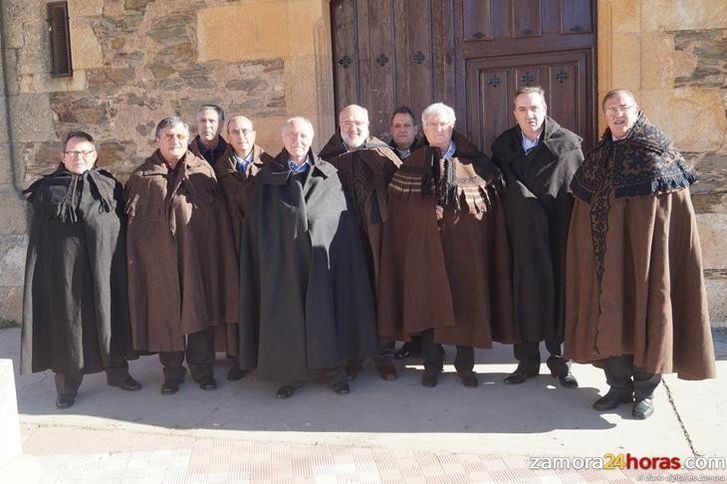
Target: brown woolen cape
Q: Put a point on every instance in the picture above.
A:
(634, 283)
(364, 174)
(237, 189)
(538, 205)
(451, 275)
(75, 305)
(306, 301)
(181, 260)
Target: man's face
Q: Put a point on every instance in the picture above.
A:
(403, 130)
(79, 156)
(208, 125)
(297, 139)
(241, 135)
(530, 111)
(621, 113)
(438, 130)
(172, 143)
(354, 126)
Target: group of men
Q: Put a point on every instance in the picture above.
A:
(301, 267)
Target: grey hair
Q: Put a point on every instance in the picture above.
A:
(438, 109)
(169, 123)
(529, 90)
(215, 108)
(301, 119)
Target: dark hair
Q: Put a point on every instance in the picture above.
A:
(616, 92)
(167, 122)
(78, 134)
(404, 110)
(214, 107)
(529, 90)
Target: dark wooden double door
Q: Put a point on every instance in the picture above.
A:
(470, 54)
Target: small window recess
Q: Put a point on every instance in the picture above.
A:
(59, 36)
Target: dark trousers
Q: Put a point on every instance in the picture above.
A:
(528, 354)
(385, 354)
(433, 354)
(117, 370)
(200, 353)
(624, 378)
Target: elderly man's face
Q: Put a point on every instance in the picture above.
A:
(208, 125)
(403, 130)
(172, 143)
(621, 113)
(354, 126)
(530, 113)
(241, 135)
(79, 156)
(438, 130)
(297, 138)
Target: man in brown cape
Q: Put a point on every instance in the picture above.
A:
(182, 277)
(635, 297)
(208, 143)
(538, 158)
(306, 303)
(445, 263)
(75, 309)
(365, 165)
(235, 170)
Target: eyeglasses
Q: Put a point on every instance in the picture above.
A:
(615, 111)
(243, 132)
(82, 154)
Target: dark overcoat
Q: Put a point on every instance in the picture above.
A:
(306, 301)
(182, 264)
(538, 205)
(75, 274)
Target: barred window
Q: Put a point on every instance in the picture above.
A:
(59, 36)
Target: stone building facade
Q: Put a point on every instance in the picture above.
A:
(137, 61)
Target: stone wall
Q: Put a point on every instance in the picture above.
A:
(673, 55)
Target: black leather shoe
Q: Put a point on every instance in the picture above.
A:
(643, 408)
(408, 350)
(611, 400)
(208, 384)
(65, 401)
(520, 375)
(387, 371)
(567, 380)
(236, 373)
(341, 388)
(129, 384)
(286, 391)
(169, 388)
(429, 378)
(469, 378)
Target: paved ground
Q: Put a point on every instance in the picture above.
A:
(382, 432)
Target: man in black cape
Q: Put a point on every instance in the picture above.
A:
(538, 158)
(75, 309)
(306, 303)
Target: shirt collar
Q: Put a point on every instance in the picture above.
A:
(241, 164)
(529, 144)
(302, 168)
(450, 151)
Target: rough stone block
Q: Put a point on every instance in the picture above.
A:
(85, 48)
(626, 16)
(32, 118)
(11, 304)
(300, 96)
(657, 74)
(12, 259)
(10, 446)
(701, 54)
(626, 68)
(682, 15)
(265, 34)
(716, 285)
(13, 219)
(85, 8)
(694, 118)
(303, 17)
(712, 234)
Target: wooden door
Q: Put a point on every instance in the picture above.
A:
(470, 54)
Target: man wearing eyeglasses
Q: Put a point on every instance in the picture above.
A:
(538, 158)
(635, 298)
(75, 311)
(445, 263)
(365, 165)
(235, 171)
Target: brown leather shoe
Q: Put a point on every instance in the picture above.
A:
(387, 370)
(429, 378)
(469, 378)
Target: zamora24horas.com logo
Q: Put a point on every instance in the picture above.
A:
(631, 462)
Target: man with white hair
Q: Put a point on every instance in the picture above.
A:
(182, 277)
(365, 165)
(445, 262)
(306, 304)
